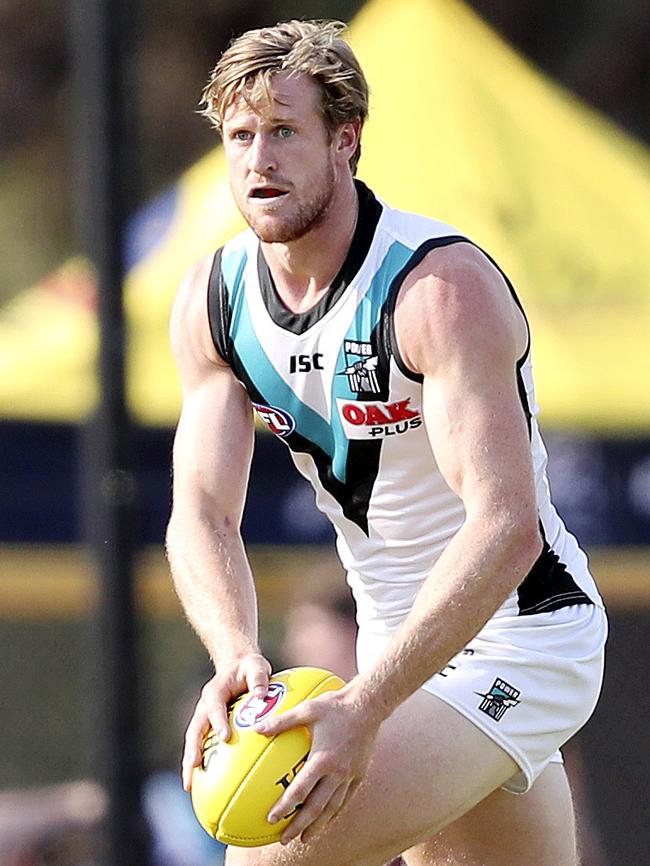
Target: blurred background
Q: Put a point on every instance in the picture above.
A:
(527, 124)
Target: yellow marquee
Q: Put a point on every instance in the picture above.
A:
(462, 128)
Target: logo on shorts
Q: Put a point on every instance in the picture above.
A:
(254, 709)
(500, 698)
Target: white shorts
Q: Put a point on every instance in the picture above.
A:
(528, 682)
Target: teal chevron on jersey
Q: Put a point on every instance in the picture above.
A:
(233, 264)
(372, 304)
(370, 309)
(366, 319)
(272, 386)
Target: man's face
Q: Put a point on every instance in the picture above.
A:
(281, 161)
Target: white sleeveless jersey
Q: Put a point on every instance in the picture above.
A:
(332, 385)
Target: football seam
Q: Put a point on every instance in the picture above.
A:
(251, 769)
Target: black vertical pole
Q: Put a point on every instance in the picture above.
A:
(104, 169)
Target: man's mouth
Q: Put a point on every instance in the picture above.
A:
(267, 192)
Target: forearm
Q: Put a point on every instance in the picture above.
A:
(215, 585)
(479, 568)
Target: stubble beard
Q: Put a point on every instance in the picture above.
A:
(306, 216)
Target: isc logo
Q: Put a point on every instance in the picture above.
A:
(277, 420)
(306, 363)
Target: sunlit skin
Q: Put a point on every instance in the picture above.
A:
(291, 180)
(390, 764)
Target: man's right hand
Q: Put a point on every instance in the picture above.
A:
(249, 673)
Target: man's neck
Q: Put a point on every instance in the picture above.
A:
(303, 270)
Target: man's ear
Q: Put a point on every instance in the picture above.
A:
(347, 138)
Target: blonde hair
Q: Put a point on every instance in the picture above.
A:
(314, 48)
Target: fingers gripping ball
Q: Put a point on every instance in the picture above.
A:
(237, 782)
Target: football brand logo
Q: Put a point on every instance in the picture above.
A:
(255, 709)
(363, 419)
(277, 420)
(210, 746)
(288, 778)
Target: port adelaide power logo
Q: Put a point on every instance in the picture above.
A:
(361, 367)
(367, 418)
(501, 697)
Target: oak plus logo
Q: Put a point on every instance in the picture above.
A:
(364, 419)
(277, 420)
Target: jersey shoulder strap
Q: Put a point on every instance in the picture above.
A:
(219, 313)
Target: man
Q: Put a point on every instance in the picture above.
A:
(392, 357)
(320, 628)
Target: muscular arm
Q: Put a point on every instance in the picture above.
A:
(212, 455)
(211, 461)
(457, 325)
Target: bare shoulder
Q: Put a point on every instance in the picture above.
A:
(189, 326)
(455, 302)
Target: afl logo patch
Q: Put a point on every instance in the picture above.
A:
(277, 420)
(254, 709)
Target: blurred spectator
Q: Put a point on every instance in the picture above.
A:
(320, 630)
(61, 825)
(177, 838)
(55, 825)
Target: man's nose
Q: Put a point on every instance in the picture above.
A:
(262, 158)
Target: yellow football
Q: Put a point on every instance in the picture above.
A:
(237, 782)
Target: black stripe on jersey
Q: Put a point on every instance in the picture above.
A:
(297, 323)
(362, 466)
(362, 463)
(387, 340)
(548, 585)
(219, 311)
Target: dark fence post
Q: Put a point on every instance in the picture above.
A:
(104, 175)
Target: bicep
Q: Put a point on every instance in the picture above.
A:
(477, 428)
(213, 449)
(466, 336)
(214, 438)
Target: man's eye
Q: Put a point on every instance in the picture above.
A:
(241, 135)
(284, 132)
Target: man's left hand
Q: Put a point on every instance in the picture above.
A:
(342, 742)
